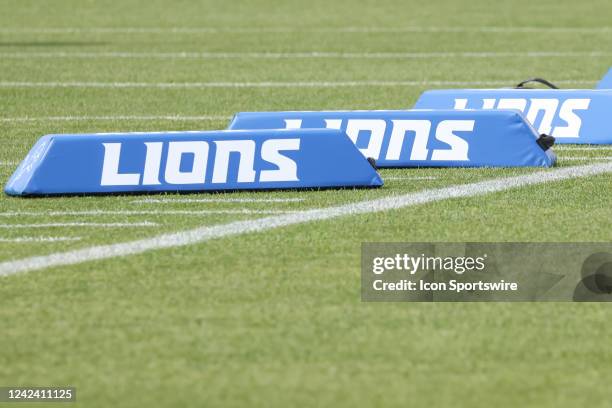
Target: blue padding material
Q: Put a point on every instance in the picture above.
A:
(579, 116)
(606, 81)
(448, 138)
(191, 161)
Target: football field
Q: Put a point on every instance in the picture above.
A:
(253, 298)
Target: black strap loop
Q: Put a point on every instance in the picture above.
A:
(372, 162)
(545, 141)
(538, 80)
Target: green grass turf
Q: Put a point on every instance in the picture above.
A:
(275, 318)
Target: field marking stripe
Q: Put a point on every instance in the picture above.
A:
(39, 239)
(584, 158)
(206, 233)
(137, 212)
(314, 84)
(216, 200)
(110, 118)
(82, 224)
(585, 148)
(272, 30)
(305, 55)
(410, 178)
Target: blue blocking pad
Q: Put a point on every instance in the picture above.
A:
(447, 138)
(578, 116)
(606, 81)
(191, 161)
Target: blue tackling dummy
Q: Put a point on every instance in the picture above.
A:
(425, 138)
(578, 116)
(191, 161)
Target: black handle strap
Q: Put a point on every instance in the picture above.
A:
(372, 162)
(539, 81)
(545, 141)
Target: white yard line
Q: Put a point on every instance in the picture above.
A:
(411, 178)
(110, 118)
(217, 200)
(130, 212)
(314, 84)
(304, 55)
(8, 163)
(272, 30)
(39, 239)
(206, 233)
(579, 158)
(594, 148)
(82, 224)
